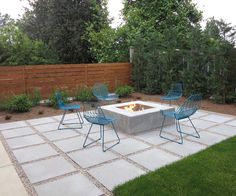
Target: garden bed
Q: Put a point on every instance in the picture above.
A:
(49, 111)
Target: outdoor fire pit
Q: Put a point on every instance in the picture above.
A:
(137, 116)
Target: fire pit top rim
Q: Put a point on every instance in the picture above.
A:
(154, 107)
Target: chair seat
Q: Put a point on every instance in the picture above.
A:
(109, 97)
(70, 107)
(170, 98)
(178, 115)
(99, 120)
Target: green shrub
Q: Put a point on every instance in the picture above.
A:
(84, 94)
(36, 97)
(19, 103)
(53, 100)
(124, 91)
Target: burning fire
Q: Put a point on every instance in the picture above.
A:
(133, 108)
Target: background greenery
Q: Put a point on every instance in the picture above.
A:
(169, 43)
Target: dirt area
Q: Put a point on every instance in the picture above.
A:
(44, 111)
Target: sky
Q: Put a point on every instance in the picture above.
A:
(218, 9)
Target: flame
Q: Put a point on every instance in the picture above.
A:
(133, 108)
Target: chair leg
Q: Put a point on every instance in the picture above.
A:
(61, 121)
(180, 132)
(81, 121)
(85, 145)
(103, 138)
(177, 127)
(197, 136)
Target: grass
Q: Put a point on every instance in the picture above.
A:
(209, 172)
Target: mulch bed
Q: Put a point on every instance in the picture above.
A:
(45, 111)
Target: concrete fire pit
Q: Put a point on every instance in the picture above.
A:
(137, 116)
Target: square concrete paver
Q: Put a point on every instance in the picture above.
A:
(199, 114)
(12, 125)
(75, 185)
(71, 144)
(10, 182)
(201, 124)
(216, 118)
(127, 146)
(154, 158)
(207, 138)
(92, 156)
(60, 134)
(151, 137)
(109, 135)
(172, 130)
(17, 132)
(232, 123)
(224, 129)
(185, 149)
(47, 127)
(24, 141)
(42, 170)
(34, 153)
(95, 129)
(115, 173)
(39, 121)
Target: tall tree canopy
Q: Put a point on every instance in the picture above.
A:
(65, 26)
(145, 16)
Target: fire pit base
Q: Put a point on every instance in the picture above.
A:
(147, 118)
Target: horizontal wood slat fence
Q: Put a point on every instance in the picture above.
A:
(25, 79)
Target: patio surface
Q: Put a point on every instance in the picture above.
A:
(45, 161)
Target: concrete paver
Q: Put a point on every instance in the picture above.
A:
(70, 186)
(42, 170)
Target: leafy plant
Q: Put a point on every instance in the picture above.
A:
(124, 91)
(19, 103)
(53, 100)
(84, 93)
(36, 97)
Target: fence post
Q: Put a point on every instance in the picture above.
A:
(131, 54)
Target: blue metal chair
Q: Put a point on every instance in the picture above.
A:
(100, 91)
(174, 94)
(94, 115)
(66, 108)
(187, 109)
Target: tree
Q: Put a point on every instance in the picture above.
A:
(146, 16)
(65, 26)
(16, 48)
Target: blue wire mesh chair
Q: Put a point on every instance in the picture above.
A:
(66, 108)
(174, 94)
(100, 91)
(187, 109)
(94, 115)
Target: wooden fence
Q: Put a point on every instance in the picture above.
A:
(25, 79)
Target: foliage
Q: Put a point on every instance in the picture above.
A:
(16, 48)
(201, 60)
(212, 170)
(110, 45)
(65, 26)
(84, 94)
(36, 97)
(124, 91)
(53, 100)
(19, 103)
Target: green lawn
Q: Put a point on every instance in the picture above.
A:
(209, 172)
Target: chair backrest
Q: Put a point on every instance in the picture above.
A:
(176, 90)
(59, 100)
(91, 110)
(190, 106)
(100, 90)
